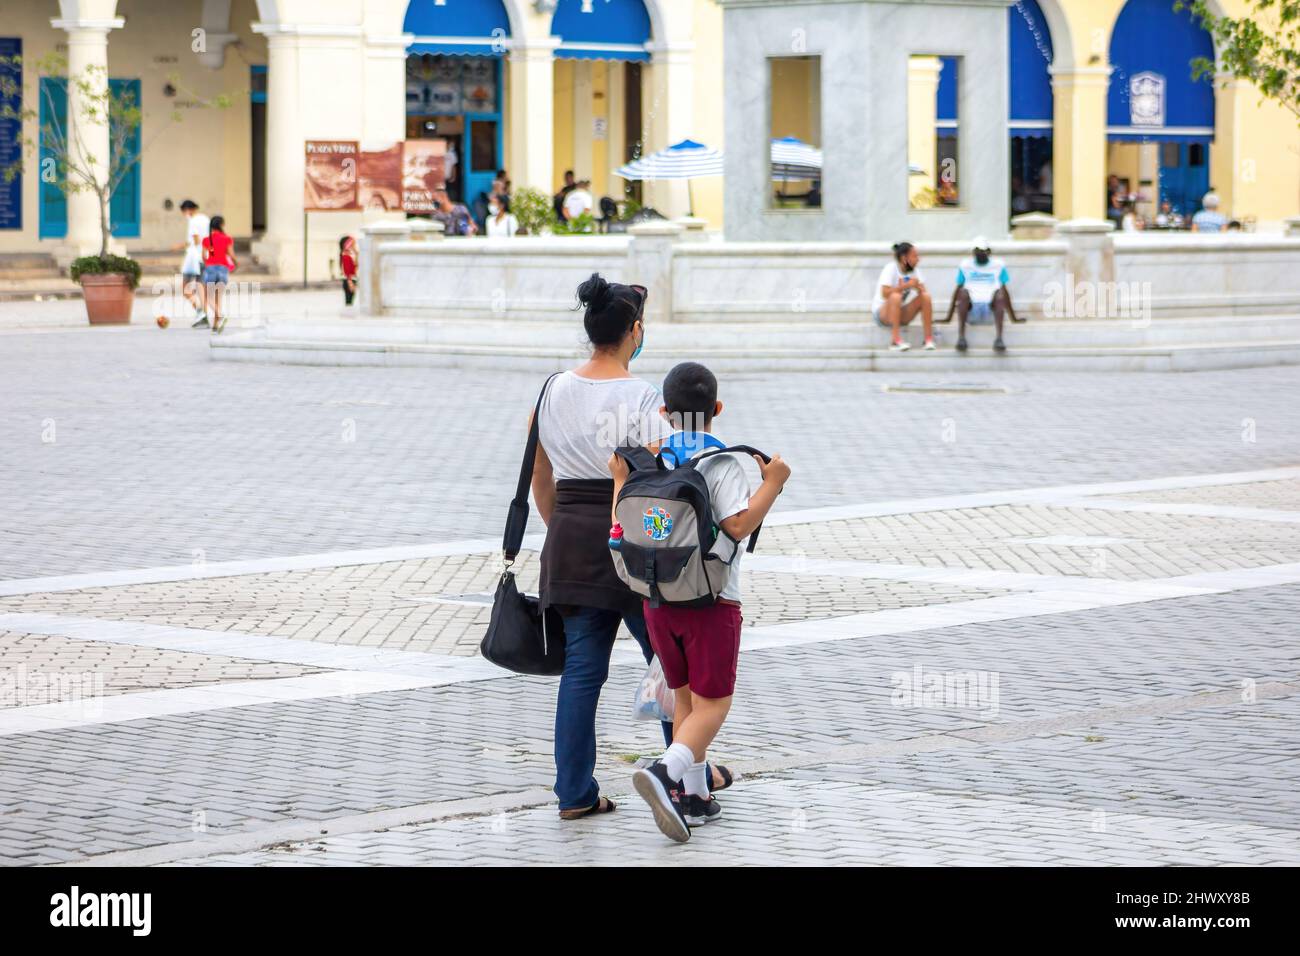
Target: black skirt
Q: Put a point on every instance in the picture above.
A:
(577, 569)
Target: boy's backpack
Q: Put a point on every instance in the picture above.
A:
(672, 550)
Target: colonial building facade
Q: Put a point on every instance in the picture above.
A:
(538, 87)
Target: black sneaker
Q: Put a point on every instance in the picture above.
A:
(201, 323)
(961, 345)
(700, 810)
(998, 346)
(663, 794)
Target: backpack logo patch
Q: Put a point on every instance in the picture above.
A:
(657, 522)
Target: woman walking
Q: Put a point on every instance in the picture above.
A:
(585, 414)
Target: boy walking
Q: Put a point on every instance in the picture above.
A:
(698, 647)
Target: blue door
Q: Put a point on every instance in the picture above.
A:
(1184, 175)
(124, 203)
(53, 118)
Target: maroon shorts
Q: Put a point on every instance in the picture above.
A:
(698, 646)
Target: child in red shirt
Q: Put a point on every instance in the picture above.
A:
(218, 263)
(348, 263)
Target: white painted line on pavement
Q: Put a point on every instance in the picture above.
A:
(307, 562)
(440, 668)
(191, 700)
(1234, 512)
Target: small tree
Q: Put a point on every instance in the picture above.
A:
(76, 168)
(534, 210)
(1263, 47)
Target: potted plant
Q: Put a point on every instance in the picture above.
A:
(108, 281)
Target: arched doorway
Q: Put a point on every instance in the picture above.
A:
(1030, 110)
(455, 88)
(1159, 121)
(599, 67)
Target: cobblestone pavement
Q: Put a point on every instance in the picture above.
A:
(1061, 638)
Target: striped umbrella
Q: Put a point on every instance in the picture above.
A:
(685, 160)
(794, 159)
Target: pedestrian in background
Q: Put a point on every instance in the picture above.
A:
(196, 228)
(348, 265)
(218, 262)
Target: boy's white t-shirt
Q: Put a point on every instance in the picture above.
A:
(729, 491)
(890, 276)
(195, 225)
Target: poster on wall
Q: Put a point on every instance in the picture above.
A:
(379, 183)
(331, 175)
(11, 128)
(423, 173)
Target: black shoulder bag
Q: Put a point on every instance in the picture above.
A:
(521, 637)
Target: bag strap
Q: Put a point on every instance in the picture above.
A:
(517, 518)
(639, 458)
(748, 449)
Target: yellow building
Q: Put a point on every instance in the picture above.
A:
(538, 87)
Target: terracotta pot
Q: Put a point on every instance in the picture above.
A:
(109, 298)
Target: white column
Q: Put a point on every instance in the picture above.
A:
(384, 119)
(88, 138)
(285, 144)
(532, 110)
(668, 117)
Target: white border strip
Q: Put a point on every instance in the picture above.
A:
(308, 562)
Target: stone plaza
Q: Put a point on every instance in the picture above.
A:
(1000, 618)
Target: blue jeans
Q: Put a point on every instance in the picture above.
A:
(588, 640)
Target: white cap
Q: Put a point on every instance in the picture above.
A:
(982, 244)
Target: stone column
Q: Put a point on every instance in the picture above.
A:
(532, 108)
(922, 111)
(370, 300)
(88, 138)
(1079, 142)
(285, 143)
(650, 263)
(668, 117)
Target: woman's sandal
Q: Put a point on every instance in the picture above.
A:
(724, 773)
(603, 805)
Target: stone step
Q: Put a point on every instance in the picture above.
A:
(816, 337)
(260, 344)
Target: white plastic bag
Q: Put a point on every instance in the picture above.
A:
(654, 698)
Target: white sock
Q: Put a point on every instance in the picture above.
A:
(696, 783)
(677, 759)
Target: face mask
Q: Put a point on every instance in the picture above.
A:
(982, 258)
(494, 209)
(640, 345)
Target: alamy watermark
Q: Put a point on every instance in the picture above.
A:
(1088, 299)
(946, 690)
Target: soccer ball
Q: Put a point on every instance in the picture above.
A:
(163, 321)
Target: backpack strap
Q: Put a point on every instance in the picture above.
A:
(639, 458)
(747, 449)
(517, 518)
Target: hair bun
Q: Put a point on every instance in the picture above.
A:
(593, 292)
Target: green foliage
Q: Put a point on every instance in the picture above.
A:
(533, 209)
(1263, 47)
(100, 265)
(580, 225)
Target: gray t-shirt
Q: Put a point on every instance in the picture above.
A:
(584, 419)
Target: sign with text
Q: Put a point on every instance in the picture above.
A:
(424, 172)
(11, 128)
(331, 175)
